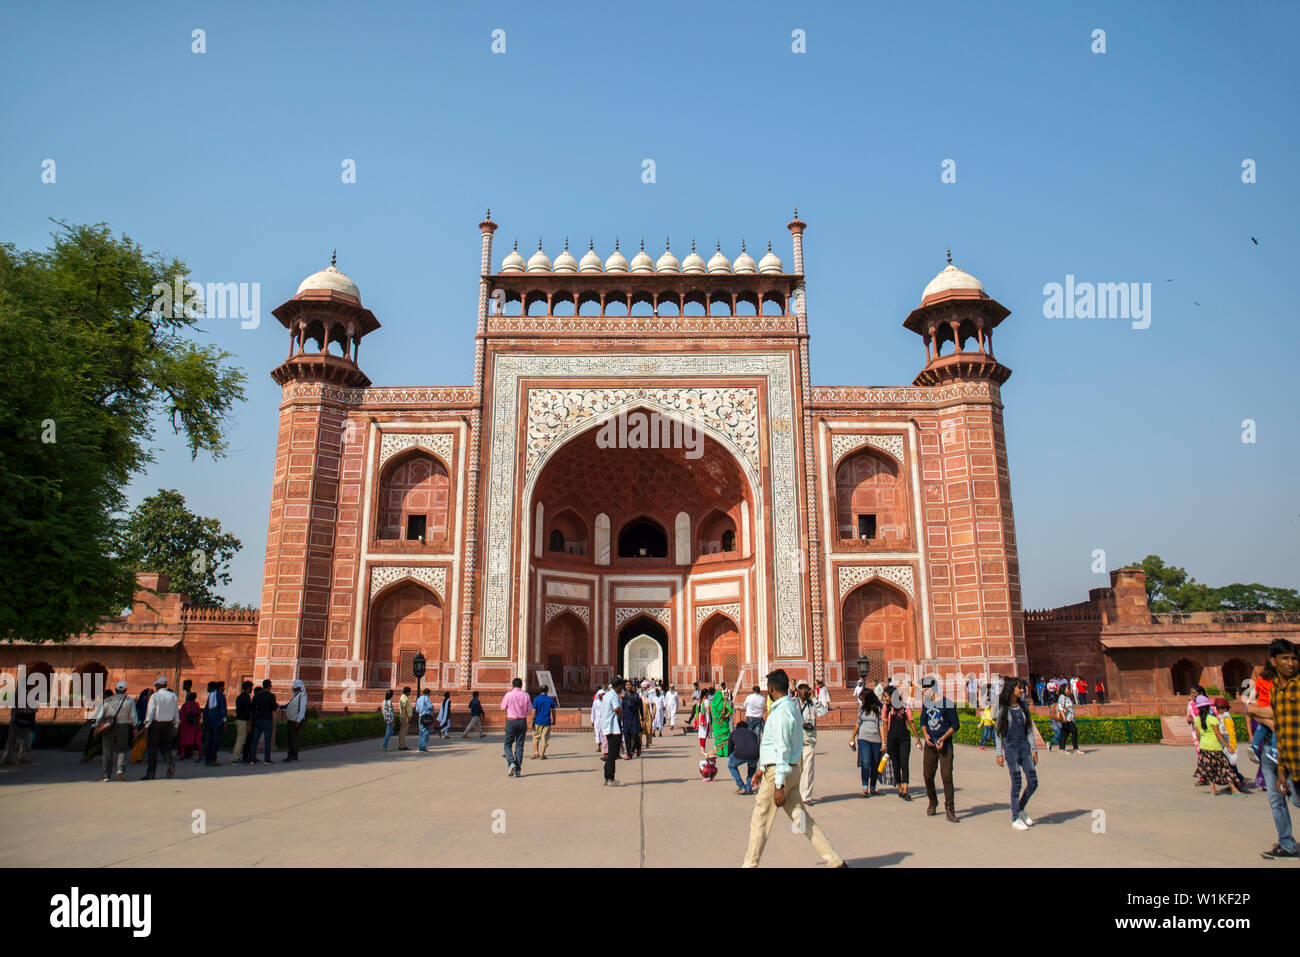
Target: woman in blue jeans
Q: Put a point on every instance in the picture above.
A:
(866, 739)
(1016, 748)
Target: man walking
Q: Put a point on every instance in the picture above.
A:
(810, 710)
(610, 725)
(161, 720)
(1280, 755)
(116, 741)
(475, 717)
(939, 722)
(214, 723)
(543, 704)
(777, 779)
(295, 716)
(516, 704)
(754, 712)
(631, 721)
(404, 712)
(670, 708)
(243, 722)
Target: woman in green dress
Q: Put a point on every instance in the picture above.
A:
(720, 712)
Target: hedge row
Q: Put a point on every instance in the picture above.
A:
(55, 735)
(1123, 730)
(51, 735)
(347, 727)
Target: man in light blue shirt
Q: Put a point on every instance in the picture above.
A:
(777, 780)
(610, 725)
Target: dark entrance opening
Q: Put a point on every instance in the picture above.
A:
(643, 539)
(643, 626)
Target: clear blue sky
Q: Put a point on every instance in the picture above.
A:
(1115, 167)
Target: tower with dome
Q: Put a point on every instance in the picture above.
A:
(641, 479)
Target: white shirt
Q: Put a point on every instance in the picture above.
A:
(754, 705)
(857, 691)
(670, 700)
(296, 709)
(162, 708)
(824, 696)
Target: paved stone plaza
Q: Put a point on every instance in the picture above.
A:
(351, 804)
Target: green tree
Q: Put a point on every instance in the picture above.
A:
(163, 535)
(88, 365)
(1170, 588)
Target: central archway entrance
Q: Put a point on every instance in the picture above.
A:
(643, 649)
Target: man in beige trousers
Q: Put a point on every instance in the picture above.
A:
(777, 779)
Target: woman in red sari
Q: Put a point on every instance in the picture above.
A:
(191, 726)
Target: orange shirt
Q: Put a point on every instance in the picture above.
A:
(1263, 692)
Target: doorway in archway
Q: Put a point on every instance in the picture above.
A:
(643, 649)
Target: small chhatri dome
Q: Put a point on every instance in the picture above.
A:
(538, 261)
(513, 261)
(771, 263)
(719, 262)
(951, 280)
(745, 265)
(616, 262)
(565, 262)
(330, 279)
(590, 261)
(668, 262)
(641, 263)
(693, 264)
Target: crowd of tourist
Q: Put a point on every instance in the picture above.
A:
(767, 735)
(159, 724)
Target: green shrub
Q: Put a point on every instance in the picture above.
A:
(347, 727)
(49, 735)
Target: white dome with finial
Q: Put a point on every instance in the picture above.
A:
(744, 265)
(513, 261)
(565, 262)
(641, 263)
(617, 262)
(771, 263)
(719, 262)
(590, 262)
(693, 264)
(330, 279)
(668, 262)
(950, 280)
(539, 261)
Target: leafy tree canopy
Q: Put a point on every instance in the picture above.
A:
(1170, 588)
(88, 366)
(162, 535)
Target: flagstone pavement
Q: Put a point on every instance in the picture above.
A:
(354, 804)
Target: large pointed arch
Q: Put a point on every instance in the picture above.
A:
(405, 617)
(878, 622)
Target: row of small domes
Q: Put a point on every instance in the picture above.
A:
(641, 263)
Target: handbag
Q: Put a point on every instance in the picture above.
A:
(106, 722)
(426, 719)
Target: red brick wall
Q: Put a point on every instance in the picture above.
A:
(970, 534)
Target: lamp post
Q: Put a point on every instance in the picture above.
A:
(417, 669)
(863, 664)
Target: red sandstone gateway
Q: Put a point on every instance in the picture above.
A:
(488, 528)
